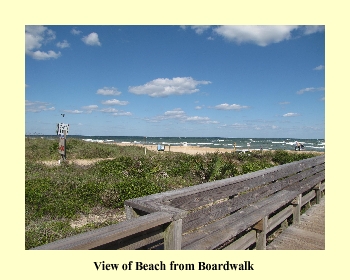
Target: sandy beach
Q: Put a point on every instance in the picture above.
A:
(191, 150)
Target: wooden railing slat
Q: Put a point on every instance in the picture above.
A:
(98, 237)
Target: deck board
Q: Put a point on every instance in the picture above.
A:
(309, 234)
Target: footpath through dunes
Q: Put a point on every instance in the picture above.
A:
(308, 234)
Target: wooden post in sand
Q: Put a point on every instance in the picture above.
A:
(62, 131)
(62, 145)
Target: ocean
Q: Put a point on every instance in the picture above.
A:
(213, 142)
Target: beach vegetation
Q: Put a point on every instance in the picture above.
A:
(56, 195)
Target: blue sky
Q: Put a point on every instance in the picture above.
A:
(225, 81)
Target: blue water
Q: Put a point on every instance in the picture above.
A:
(214, 142)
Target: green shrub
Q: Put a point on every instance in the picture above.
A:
(133, 188)
(282, 157)
(254, 166)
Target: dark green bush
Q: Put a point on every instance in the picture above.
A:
(282, 157)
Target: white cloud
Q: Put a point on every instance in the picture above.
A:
(320, 67)
(199, 29)
(115, 112)
(108, 91)
(73, 111)
(90, 108)
(39, 55)
(174, 114)
(91, 39)
(35, 37)
(109, 110)
(115, 102)
(75, 31)
(197, 118)
(63, 44)
(310, 89)
(203, 120)
(284, 103)
(121, 113)
(198, 107)
(180, 115)
(162, 87)
(291, 115)
(226, 106)
(262, 35)
(38, 106)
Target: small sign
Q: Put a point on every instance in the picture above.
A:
(61, 127)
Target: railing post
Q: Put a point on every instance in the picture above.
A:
(173, 235)
(317, 189)
(261, 231)
(130, 212)
(296, 210)
(284, 224)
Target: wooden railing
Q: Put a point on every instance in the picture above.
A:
(234, 213)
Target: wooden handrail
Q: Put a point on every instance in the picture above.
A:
(98, 237)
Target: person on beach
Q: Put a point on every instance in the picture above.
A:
(298, 146)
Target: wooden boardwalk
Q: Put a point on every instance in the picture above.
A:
(309, 234)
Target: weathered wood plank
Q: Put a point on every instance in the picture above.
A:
(198, 199)
(308, 184)
(156, 206)
(308, 197)
(318, 191)
(173, 235)
(279, 217)
(130, 212)
(261, 231)
(135, 241)
(243, 242)
(211, 236)
(296, 210)
(210, 214)
(98, 237)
